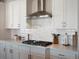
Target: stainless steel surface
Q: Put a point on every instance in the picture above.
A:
(28, 36)
(40, 12)
(1, 0)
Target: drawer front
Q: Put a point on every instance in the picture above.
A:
(38, 50)
(62, 53)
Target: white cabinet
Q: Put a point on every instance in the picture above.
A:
(23, 51)
(22, 13)
(12, 51)
(65, 13)
(71, 13)
(57, 7)
(2, 51)
(60, 54)
(37, 52)
(15, 13)
(12, 14)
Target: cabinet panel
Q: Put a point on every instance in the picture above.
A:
(22, 13)
(9, 15)
(71, 13)
(12, 51)
(37, 57)
(2, 51)
(37, 52)
(65, 13)
(57, 13)
(9, 51)
(15, 51)
(12, 14)
(15, 14)
(54, 57)
(56, 53)
(23, 51)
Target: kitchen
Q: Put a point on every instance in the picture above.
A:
(17, 26)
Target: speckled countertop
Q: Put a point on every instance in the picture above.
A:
(53, 46)
(61, 47)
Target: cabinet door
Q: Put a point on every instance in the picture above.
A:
(12, 51)
(60, 54)
(37, 56)
(22, 13)
(67, 57)
(12, 14)
(15, 51)
(2, 51)
(37, 52)
(54, 57)
(9, 15)
(23, 51)
(15, 14)
(15, 5)
(57, 12)
(9, 51)
(71, 13)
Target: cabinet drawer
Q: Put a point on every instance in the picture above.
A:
(62, 53)
(38, 50)
(37, 57)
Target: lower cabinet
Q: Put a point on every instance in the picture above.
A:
(2, 51)
(35, 56)
(37, 52)
(60, 57)
(59, 54)
(23, 51)
(12, 51)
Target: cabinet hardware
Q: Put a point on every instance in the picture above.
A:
(61, 55)
(29, 56)
(11, 51)
(4, 49)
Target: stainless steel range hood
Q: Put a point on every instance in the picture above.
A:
(41, 13)
(1, 0)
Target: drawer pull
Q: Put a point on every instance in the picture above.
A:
(29, 56)
(11, 51)
(4, 49)
(61, 55)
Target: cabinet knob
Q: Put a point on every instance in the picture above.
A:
(4, 49)
(18, 25)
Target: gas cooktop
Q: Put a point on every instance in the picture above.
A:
(37, 43)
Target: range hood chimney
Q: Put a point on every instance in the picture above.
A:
(1, 0)
(41, 13)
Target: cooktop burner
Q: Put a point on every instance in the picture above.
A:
(37, 43)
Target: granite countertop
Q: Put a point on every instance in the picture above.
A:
(53, 46)
(62, 47)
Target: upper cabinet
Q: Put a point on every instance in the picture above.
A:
(65, 14)
(71, 13)
(15, 14)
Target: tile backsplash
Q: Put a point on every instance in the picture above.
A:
(44, 34)
(42, 29)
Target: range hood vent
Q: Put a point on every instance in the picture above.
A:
(1, 0)
(41, 13)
